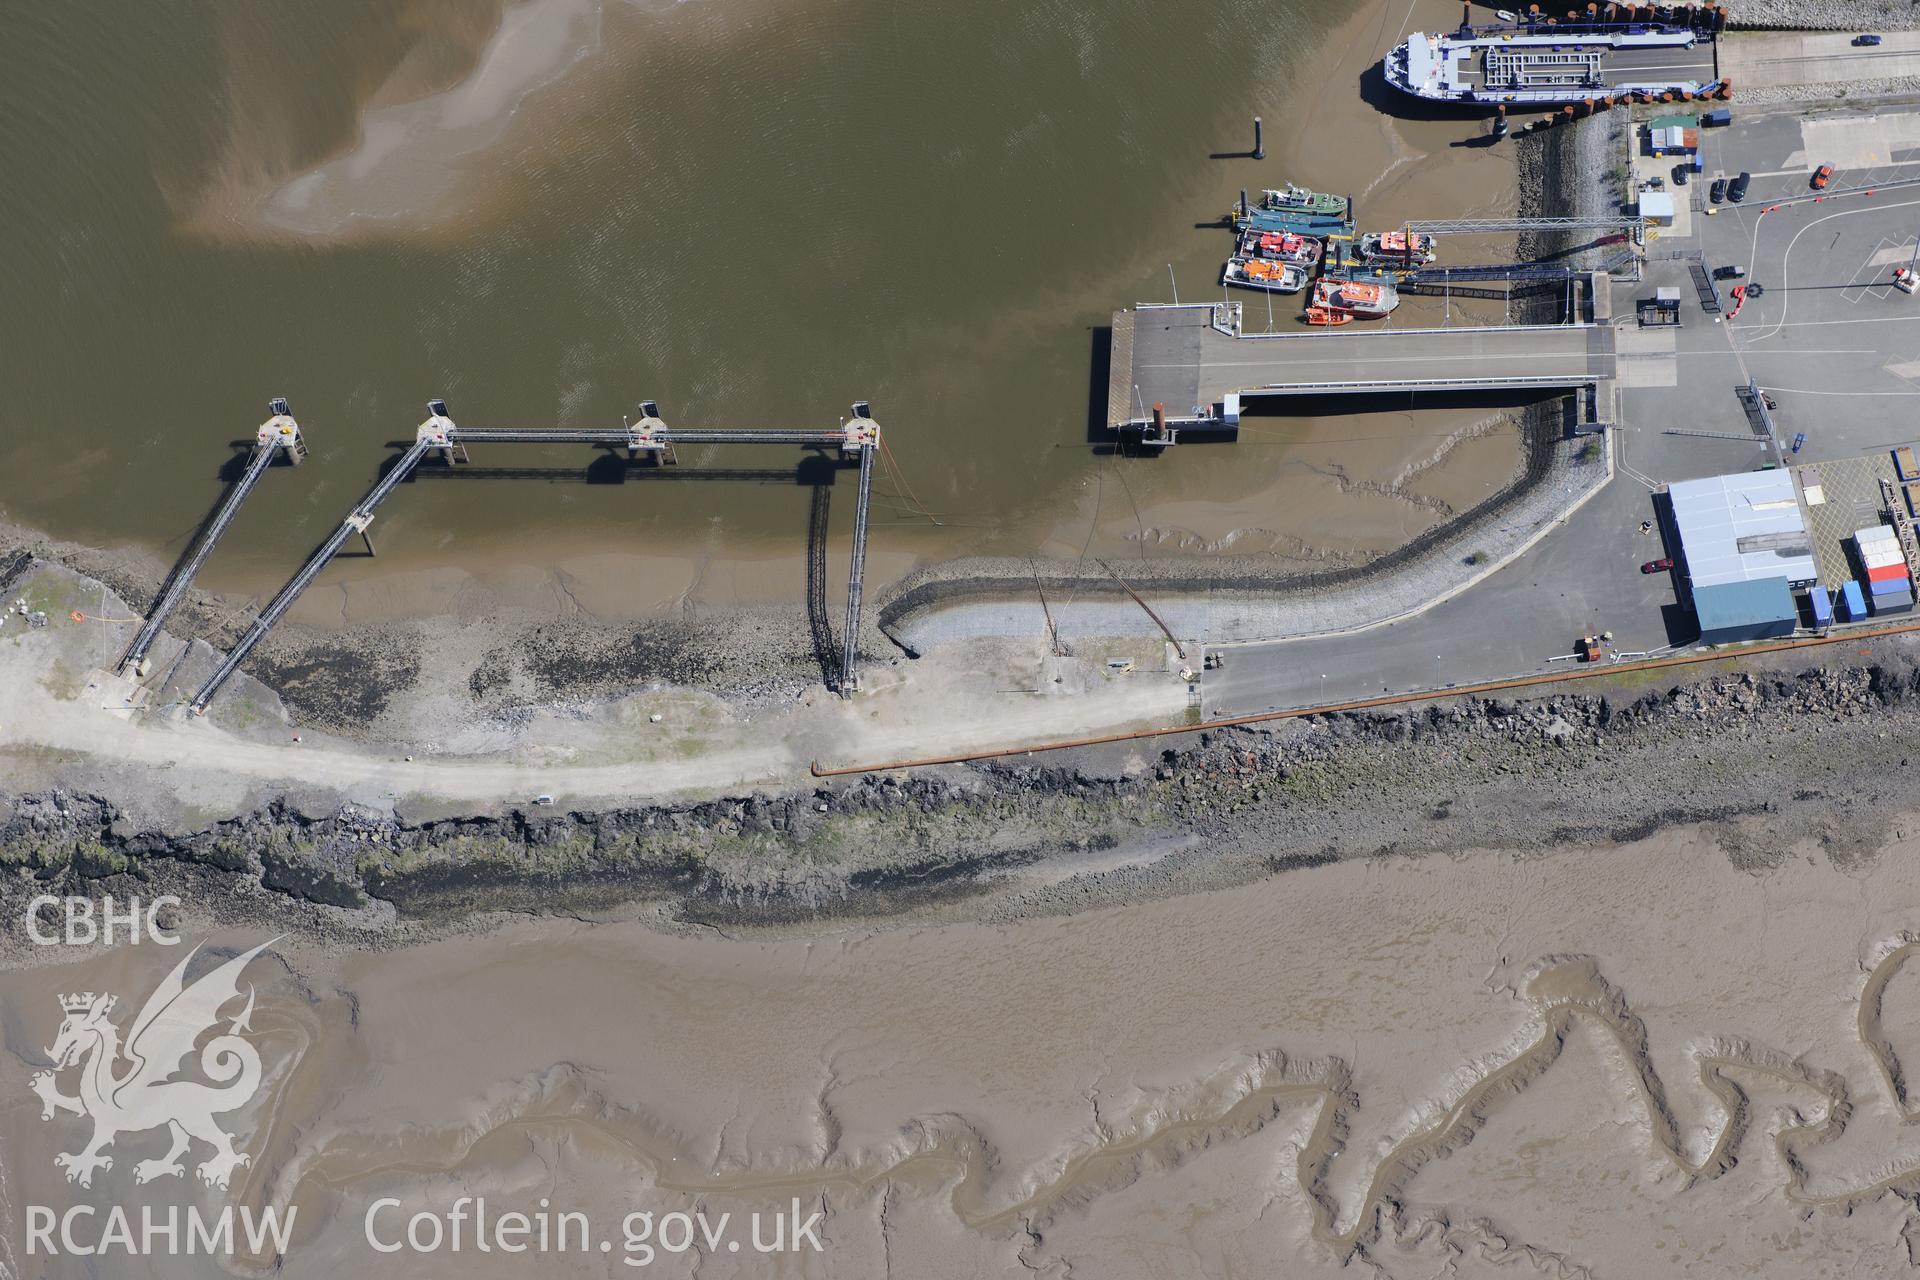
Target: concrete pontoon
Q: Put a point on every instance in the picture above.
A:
(1188, 368)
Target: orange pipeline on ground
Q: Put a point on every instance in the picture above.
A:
(1386, 700)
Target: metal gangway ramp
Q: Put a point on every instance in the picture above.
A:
(278, 435)
(858, 436)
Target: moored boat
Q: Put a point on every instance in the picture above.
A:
(1538, 67)
(1363, 299)
(1267, 274)
(1297, 221)
(1297, 199)
(1393, 246)
(1283, 246)
(1327, 316)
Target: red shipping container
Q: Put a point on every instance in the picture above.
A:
(1882, 573)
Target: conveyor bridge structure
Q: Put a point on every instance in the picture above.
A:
(278, 436)
(1523, 280)
(1495, 271)
(1624, 223)
(1626, 228)
(857, 437)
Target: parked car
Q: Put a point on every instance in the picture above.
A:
(1679, 175)
(1866, 41)
(1657, 566)
(1732, 271)
(1719, 190)
(1737, 189)
(1822, 176)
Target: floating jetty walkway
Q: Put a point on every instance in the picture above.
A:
(858, 437)
(1188, 367)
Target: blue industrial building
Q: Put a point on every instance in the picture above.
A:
(1760, 609)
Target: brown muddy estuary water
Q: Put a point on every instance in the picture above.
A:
(752, 212)
(1571, 1065)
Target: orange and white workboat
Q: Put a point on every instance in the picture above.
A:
(1363, 300)
(1327, 316)
(1397, 246)
(1266, 274)
(1282, 246)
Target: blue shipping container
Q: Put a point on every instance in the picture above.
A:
(1822, 606)
(1852, 602)
(1900, 591)
(1718, 117)
(1890, 586)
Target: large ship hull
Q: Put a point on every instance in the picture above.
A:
(1519, 68)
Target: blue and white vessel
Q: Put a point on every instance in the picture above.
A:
(1541, 66)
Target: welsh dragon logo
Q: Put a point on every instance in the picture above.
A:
(145, 1095)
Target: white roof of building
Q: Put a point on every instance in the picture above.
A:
(1656, 204)
(1731, 527)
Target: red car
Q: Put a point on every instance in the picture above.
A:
(1822, 176)
(1657, 566)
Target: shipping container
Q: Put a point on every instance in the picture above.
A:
(1872, 533)
(1853, 602)
(1821, 604)
(1888, 606)
(1718, 118)
(1887, 573)
(1903, 463)
(1888, 586)
(1880, 558)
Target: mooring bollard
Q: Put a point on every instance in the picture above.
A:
(1259, 147)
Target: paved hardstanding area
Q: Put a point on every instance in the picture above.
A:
(1828, 339)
